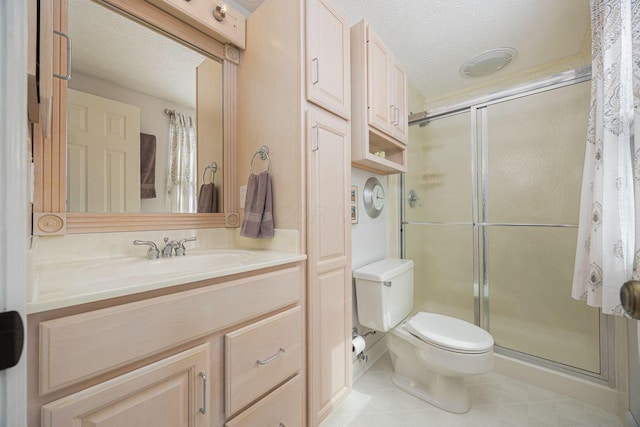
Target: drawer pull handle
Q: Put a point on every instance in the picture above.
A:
(280, 352)
(282, 425)
(203, 410)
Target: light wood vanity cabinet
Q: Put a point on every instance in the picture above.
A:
(379, 109)
(260, 356)
(295, 104)
(387, 87)
(163, 394)
(278, 409)
(327, 57)
(199, 357)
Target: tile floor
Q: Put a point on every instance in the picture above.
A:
(496, 401)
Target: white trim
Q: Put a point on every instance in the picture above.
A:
(13, 197)
(585, 391)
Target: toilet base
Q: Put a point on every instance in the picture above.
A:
(448, 393)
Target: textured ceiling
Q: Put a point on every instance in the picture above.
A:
(113, 48)
(432, 38)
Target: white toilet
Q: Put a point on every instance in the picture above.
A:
(431, 353)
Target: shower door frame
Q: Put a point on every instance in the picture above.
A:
(477, 108)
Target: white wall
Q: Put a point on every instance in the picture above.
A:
(153, 121)
(13, 198)
(369, 238)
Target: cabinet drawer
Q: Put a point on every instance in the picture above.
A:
(79, 347)
(283, 407)
(260, 356)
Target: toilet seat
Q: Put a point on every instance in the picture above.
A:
(449, 333)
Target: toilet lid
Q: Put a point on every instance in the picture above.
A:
(450, 333)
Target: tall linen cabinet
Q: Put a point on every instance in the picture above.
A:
(294, 96)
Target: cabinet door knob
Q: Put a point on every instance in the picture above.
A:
(317, 79)
(203, 410)
(630, 298)
(67, 76)
(315, 144)
(280, 353)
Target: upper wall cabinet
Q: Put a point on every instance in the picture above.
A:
(328, 64)
(379, 110)
(387, 89)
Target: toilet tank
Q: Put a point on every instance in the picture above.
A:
(384, 293)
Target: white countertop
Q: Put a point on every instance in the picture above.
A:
(58, 285)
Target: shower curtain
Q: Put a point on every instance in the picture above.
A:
(181, 179)
(608, 251)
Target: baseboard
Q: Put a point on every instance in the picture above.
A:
(630, 421)
(580, 389)
(374, 354)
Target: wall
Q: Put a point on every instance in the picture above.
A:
(369, 240)
(209, 117)
(270, 99)
(13, 200)
(153, 121)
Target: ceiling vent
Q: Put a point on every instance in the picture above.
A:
(488, 62)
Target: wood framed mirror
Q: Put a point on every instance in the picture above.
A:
(55, 169)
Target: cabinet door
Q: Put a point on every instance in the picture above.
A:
(170, 393)
(400, 102)
(379, 89)
(329, 262)
(328, 64)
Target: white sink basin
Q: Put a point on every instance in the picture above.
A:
(193, 262)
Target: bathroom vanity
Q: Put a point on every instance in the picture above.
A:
(227, 350)
(265, 340)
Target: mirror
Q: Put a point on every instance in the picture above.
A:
(144, 118)
(50, 213)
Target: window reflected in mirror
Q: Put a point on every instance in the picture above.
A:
(144, 119)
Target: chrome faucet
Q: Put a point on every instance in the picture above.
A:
(153, 251)
(169, 247)
(180, 250)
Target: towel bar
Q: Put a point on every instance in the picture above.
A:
(263, 152)
(213, 167)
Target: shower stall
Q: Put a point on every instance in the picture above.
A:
(490, 213)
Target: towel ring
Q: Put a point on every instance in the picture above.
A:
(213, 167)
(263, 152)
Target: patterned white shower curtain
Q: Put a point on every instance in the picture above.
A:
(181, 176)
(609, 226)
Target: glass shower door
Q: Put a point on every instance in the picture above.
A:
(531, 165)
(490, 217)
(438, 226)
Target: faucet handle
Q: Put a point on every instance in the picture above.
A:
(153, 251)
(180, 249)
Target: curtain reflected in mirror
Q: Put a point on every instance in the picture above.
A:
(125, 154)
(181, 180)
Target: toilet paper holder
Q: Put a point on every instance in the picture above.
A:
(355, 333)
(356, 337)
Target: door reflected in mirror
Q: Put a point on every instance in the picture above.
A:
(144, 118)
